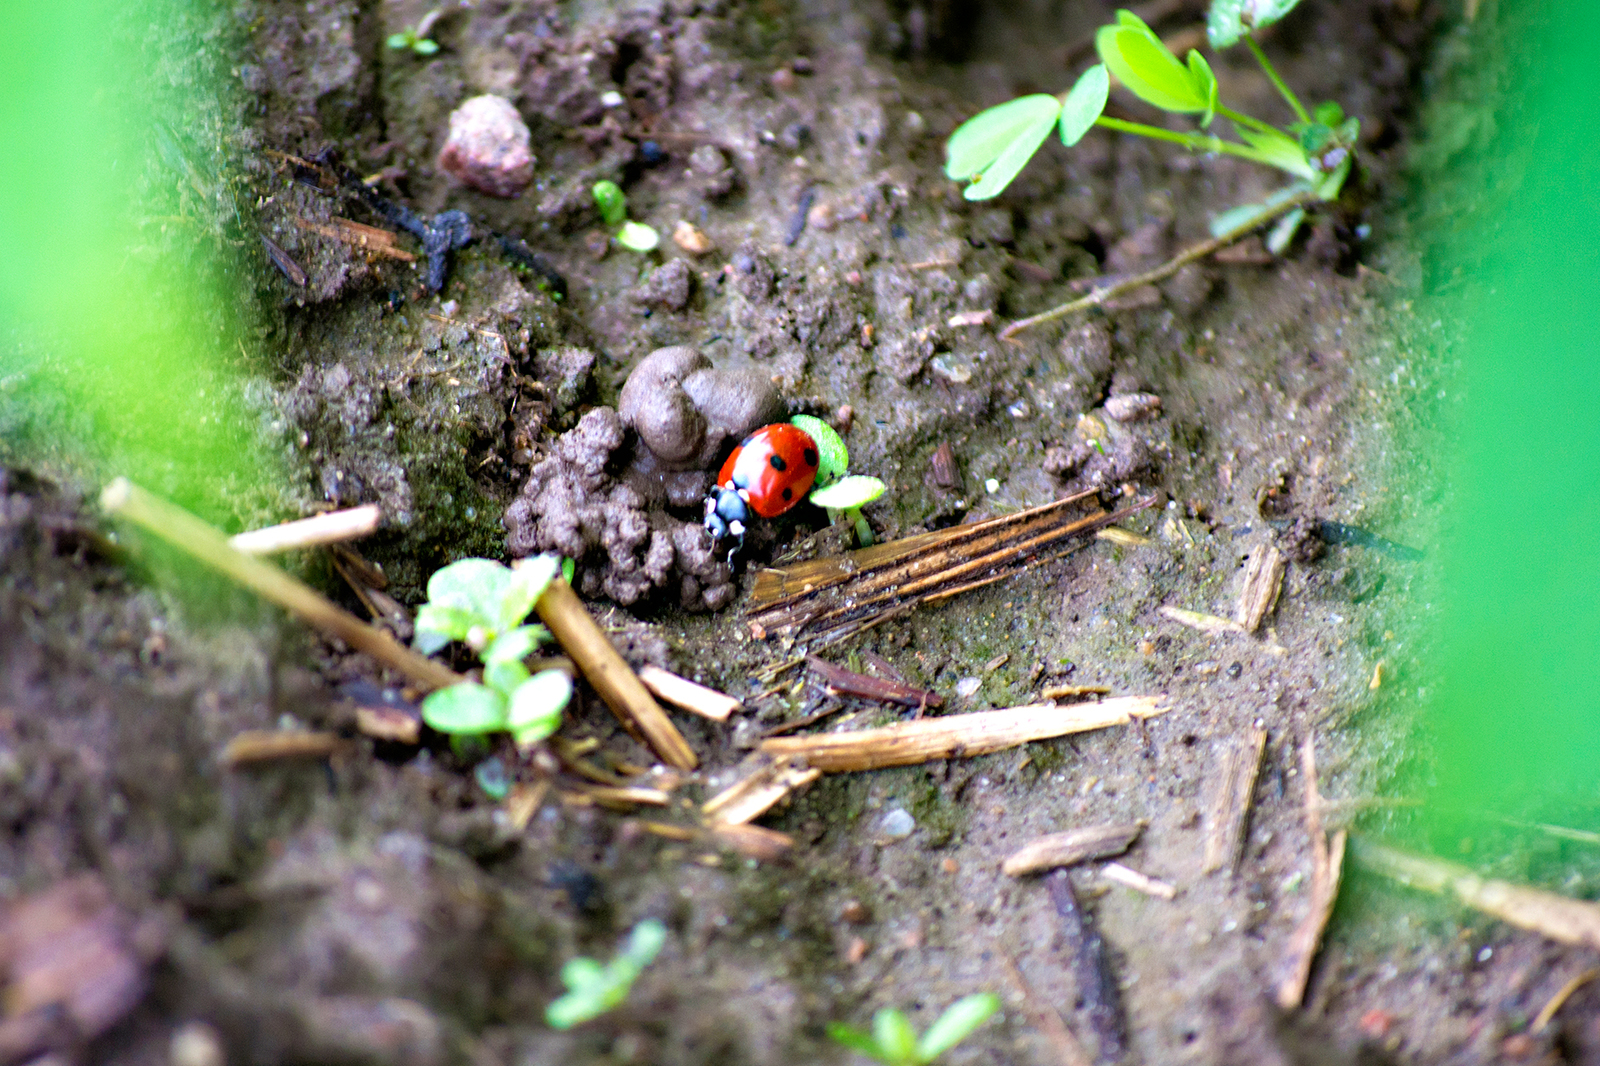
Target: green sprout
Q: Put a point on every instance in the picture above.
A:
(416, 37)
(482, 603)
(613, 204)
(990, 149)
(894, 1043)
(835, 490)
(593, 988)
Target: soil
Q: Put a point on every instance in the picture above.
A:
(378, 906)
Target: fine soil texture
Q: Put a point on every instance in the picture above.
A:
(373, 901)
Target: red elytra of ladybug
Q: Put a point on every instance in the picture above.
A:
(775, 467)
(768, 473)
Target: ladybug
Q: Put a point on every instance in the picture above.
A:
(769, 472)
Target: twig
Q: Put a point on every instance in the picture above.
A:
(754, 794)
(1046, 1018)
(206, 543)
(1570, 921)
(1548, 1012)
(1327, 865)
(842, 682)
(1231, 810)
(1097, 988)
(690, 695)
(1205, 623)
(1263, 580)
(1165, 270)
(311, 532)
(255, 746)
(1130, 878)
(957, 735)
(582, 638)
(1072, 846)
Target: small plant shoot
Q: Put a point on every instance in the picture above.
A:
(416, 37)
(593, 988)
(482, 604)
(895, 1043)
(613, 205)
(991, 148)
(836, 491)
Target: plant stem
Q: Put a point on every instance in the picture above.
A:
(1165, 270)
(1261, 57)
(1240, 118)
(1199, 142)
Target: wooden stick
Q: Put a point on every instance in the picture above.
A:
(1326, 868)
(1570, 921)
(957, 735)
(754, 794)
(1072, 846)
(1230, 812)
(583, 639)
(255, 746)
(327, 528)
(1130, 878)
(178, 527)
(691, 696)
(1263, 580)
(1165, 270)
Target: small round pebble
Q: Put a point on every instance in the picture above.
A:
(897, 824)
(968, 687)
(488, 147)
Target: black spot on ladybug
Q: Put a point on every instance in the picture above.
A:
(788, 494)
(811, 457)
(777, 463)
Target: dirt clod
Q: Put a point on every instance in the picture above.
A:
(488, 146)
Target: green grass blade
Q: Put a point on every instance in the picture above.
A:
(959, 1021)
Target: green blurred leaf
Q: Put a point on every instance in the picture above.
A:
(645, 943)
(515, 644)
(958, 1022)
(854, 1039)
(1229, 20)
(595, 989)
(1328, 113)
(504, 676)
(401, 40)
(1278, 150)
(613, 204)
(437, 625)
(833, 458)
(896, 1040)
(1205, 83)
(1138, 59)
(1235, 217)
(849, 493)
(537, 704)
(637, 237)
(529, 579)
(994, 145)
(1084, 103)
(1283, 231)
(467, 709)
(474, 586)
(425, 47)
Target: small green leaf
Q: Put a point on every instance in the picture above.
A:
(645, 943)
(1276, 149)
(637, 237)
(400, 40)
(1143, 64)
(425, 47)
(993, 145)
(515, 644)
(1283, 231)
(529, 579)
(958, 1022)
(504, 676)
(1084, 103)
(467, 709)
(1328, 113)
(1206, 83)
(477, 586)
(854, 1039)
(583, 973)
(896, 1040)
(849, 493)
(536, 706)
(569, 569)
(608, 196)
(1235, 217)
(437, 625)
(833, 458)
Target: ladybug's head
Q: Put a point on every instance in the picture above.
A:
(727, 513)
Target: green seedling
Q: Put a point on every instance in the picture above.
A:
(990, 149)
(894, 1043)
(835, 490)
(416, 37)
(593, 988)
(482, 604)
(613, 204)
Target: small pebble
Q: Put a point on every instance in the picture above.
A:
(856, 950)
(1133, 406)
(196, 1044)
(968, 687)
(992, 486)
(854, 911)
(691, 239)
(783, 80)
(897, 824)
(488, 146)
(822, 216)
(652, 154)
(611, 98)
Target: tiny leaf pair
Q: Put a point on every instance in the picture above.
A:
(613, 205)
(894, 1043)
(594, 988)
(835, 490)
(992, 147)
